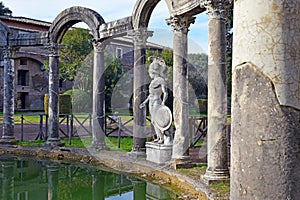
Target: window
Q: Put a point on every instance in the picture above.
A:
(23, 61)
(23, 77)
(119, 53)
(60, 84)
(21, 100)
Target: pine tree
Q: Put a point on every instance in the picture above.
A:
(4, 10)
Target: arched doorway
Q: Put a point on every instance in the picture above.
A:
(60, 25)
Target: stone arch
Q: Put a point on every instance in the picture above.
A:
(142, 12)
(71, 16)
(36, 57)
(4, 32)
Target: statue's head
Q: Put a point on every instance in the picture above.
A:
(157, 66)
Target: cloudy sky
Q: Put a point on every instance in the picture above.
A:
(111, 10)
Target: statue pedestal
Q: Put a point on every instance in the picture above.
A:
(158, 153)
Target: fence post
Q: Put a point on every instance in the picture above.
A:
(90, 116)
(71, 128)
(119, 132)
(22, 127)
(41, 127)
(46, 131)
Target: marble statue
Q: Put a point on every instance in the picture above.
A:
(161, 116)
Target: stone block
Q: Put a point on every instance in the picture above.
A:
(158, 153)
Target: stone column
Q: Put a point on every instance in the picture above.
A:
(180, 27)
(98, 121)
(53, 106)
(8, 99)
(265, 130)
(217, 169)
(139, 90)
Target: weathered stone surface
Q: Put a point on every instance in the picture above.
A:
(8, 98)
(4, 31)
(53, 112)
(116, 28)
(265, 139)
(180, 27)
(141, 13)
(158, 153)
(71, 16)
(98, 122)
(217, 169)
(140, 37)
(183, 7)
(266, 33)
(143, 9)
(29, 39)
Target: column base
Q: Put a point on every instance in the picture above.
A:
(10, 140)
(216, 176)
(141, 153)
(99, 147)
(53, 142)
(182, 162)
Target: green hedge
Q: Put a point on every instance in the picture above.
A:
(201, 105)
(65, 104)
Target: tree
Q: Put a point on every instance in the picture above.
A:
(76, 49)
(4, 10)
(113, 72)
(197, 73)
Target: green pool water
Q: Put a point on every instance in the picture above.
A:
(29, 179)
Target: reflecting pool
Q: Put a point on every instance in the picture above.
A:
(28, 179)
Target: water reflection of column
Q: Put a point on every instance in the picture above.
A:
(7, 180)
(98, 185)
(155, 191)
(139, 190)
(52, 172)
(8, 98)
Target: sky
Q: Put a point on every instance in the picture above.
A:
(111, 10)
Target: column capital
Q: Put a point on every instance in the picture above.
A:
(99, 45)
(216, 8)
(180, 23)
(140, 36)
(53, 49)
(8, 52)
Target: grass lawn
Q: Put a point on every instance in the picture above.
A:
(112, 142)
